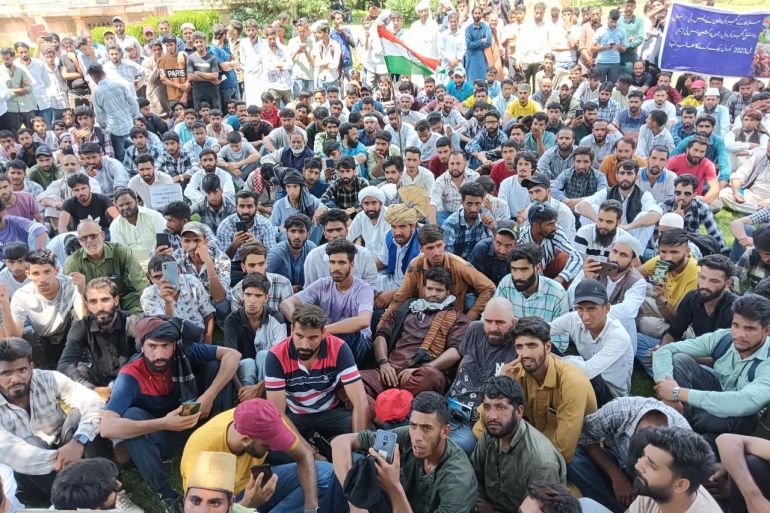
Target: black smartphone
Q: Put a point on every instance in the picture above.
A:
(322, 445)
(385, 444)
(190, 408)
(162, 239)
(263, 469)
(240, 226)
(578, 113)
(609, 268)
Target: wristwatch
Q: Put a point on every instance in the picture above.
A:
(81, 439)
(381, 361)
(675, 394)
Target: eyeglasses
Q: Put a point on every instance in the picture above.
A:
(90, 237)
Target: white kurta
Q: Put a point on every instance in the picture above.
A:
(254, 82)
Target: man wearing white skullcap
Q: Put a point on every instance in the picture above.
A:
(369, 228)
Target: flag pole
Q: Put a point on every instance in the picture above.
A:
(398, 113)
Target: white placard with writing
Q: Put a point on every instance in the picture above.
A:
(162, 195)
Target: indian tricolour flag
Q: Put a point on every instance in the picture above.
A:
(402, 60)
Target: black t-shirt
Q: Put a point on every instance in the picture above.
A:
(205, 64)
(253, 132)
(97, 208)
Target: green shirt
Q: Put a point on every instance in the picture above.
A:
(505, 476)
(634, 30)
(451, 488)
(739, 397)
(45, 178)
(118, 264)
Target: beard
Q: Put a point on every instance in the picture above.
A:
(659, 495)
(550, 236)
(500, 431)
(694, 161)
(130, 212)
(17, 392)
(707, 295)
(605, 239)
(522, 285)
(209, 169)
(246, 218)
(105, 317)
(372, 214)
(306, 354)
(160, 365)
(148, 179)
(676, 265)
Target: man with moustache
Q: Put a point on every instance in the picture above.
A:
(343, 192)
(655, 178)
(686, 125)
(696, 213)
(369, 230)
(98, 258)
(558, 396)
(428, 472)
(109, 172)
(36, 443)
(543, 231)
(102, 342)
(147, 176)
(485, 349)
(208, 166)
(701, 311)
(595, 240)
(579, 181)
(600, 141)
(640, 212)
(45, 170)
(145, 408)
(136, 227)
(716, 152)
(559, 157)
(491, 255)
(347, 299)
(511, 453)
(671, 473)
(288, 257)
(469, 225)
(85, 204)
(399, 249)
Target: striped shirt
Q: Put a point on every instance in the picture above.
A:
(115, 106)
(550, 247)
(310, 390)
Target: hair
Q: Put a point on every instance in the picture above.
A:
(383, 135)
(209, 151)
(309, 316)
(763, 287)
(342, 246)
(590, 107)
(170, 136)
(256, 280)
(242, 195)
(432, 402)
(177, 210)
(78, 179)
(498, 387)
(86, 484)
(707, 118)
(334, 214)
(472, 189)
(123, 192)
(660, 148)
(674, 237)
(534, 327)
(330, 146)
(346, 163)
(529, 156)
(413, 150)
(429, 234)
(754, 308)
(612, 205)
(13, 348)
(553, 497)
(697, 140)
(396, 161)
(686, 179)
(629, 165)
(583, 150)
(103, 282)
(137, 130)
(210, 183)
(659, 117)
(312, 163)
(252, 248)
(41, 257)
(762, 238)
(88, 148)
(440, 275)
(691, 455)
(718, 263)
(15, 251)
(528, 251)
(689, 109)
(157, 261)
(297, 220)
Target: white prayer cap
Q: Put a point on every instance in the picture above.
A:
(421, 6)
(672, 220)
(712, 91)
(374, 192)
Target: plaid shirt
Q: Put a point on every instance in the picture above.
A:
(209, 216)
(551, 246)
(221, 264)
(614, 424)
(610, 111)
(751, 270)
(482, 141)
(48, 392)
(736, 106)
(460, 238)
(548, 302)
(173, 167)
(336, 196)
(93, 138)
(552, 164)
(262, 230)
(698, 214)
(280, 289)
(129, 161)
(446, 195)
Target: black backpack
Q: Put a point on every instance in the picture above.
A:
(722, 347)
(707, 244)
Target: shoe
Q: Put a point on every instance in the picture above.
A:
(124, 504)
(121, 456)
(172, 504)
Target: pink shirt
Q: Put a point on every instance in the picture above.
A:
(25, 206)
(704, 171)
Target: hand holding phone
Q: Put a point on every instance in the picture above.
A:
(264, 470)
(385, 444)
(190, 408)
(240, 226)
(171, 273)
(162, 239)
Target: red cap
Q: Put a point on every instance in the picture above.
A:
(393, 405)
(258, 418)
(698, 84)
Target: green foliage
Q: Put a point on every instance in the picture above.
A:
(406, 8)
(203, 20)
(265, 11)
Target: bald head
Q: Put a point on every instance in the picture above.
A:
(87, 226)
(498, 320)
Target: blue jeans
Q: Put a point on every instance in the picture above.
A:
(736, 252)
(608, 72)
(119, 146)
(300, 85)
(462, 435)
(592, 481)
(289, 498)
(252, 370)
(644, 346)
(228, 93)
(361, 347)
